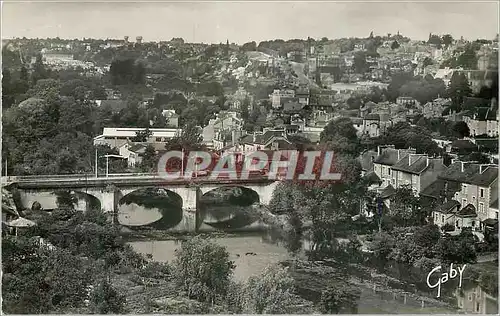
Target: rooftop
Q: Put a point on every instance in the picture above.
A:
(132, 132)
(417, 166)
(390, 156)
(471, 173)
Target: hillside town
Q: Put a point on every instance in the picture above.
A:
(414, 125)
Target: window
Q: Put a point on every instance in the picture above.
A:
(158, 139)
(482, 192)
(464, 202)
(389, 171)
(473, 224)
(496, 215)
(477, 306)
(470, 297)
(442, 218)
(481, 207)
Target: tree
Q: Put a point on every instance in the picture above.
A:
(447, 40)
(461, 129)
(359, 64)
(427, 236)
(480, 157)
(334, 299)
(39, 280)
(250, 46)
(405, 208)
(289, 200)
(456, 249)
(382, 245)
(149, 159)
(341, 136)
(459, 89)
(39, 71)
(105, 299)
(468, 59)
(269, 293)
(203, 270)
(127, 71)
(395, 45)
(142, 136)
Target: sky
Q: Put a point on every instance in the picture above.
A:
(240, 22)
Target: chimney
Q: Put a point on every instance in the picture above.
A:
(379, 150)
(446, 191)
(462, 165)
(427, 163)
(254, 137)
(482, 168)
(398, 155)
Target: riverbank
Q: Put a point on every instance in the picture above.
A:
(380, 293)
(377, 296)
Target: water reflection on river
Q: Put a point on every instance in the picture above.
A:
(253, 252)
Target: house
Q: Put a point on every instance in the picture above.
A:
(473, 299)
(483, 121)
(320, 118)
(435, 108)
(357, 122)
(416, 171)
(116, 137)
(463, 146)
(445, 75)
(407, 101)
(133, 153)
(366, 161)
(303, 95)
(223, 123)
(375, 124)
(292, 107)
(388, 156)
(278, 97)
(171, 117)
(273, 139)
(474, 187)
(114, 105)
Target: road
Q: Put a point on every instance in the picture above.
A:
(303, 79)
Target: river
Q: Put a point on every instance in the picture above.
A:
(251, 253)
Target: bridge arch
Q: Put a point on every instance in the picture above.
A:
(228, 206)
(156, 207)
(49, 200)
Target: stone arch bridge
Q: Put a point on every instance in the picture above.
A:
(109, 190)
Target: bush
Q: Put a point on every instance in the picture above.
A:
(448, 227)
(335, 299)
(105, 299)
(269, 293)
(203, 269)
(156, 270)
(382, 245)
(426, 264)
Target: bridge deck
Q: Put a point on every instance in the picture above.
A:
(61, 181)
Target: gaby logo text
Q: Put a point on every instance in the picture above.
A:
(286, 164)
(445, 276)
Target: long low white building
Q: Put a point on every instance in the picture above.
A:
(116, 137)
